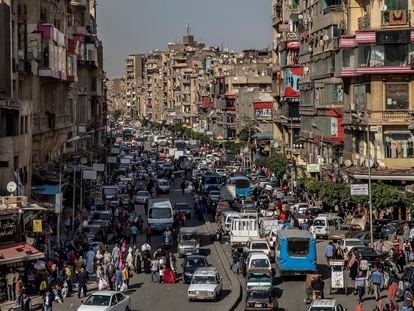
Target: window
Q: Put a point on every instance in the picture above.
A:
(297, 247)
(396, 4)
(396, 54)
(398, 145)
(360, 97)
(363, 54)
(396, 96)
(9, 120)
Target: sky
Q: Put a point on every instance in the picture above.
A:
(139, 26)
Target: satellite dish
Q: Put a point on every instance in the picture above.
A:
(348, 163)
(11, 187)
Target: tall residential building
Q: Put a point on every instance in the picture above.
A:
(134, 83)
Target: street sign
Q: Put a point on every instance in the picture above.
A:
(89, 174)
(359, 189)
(99, 167)
(115, 150)
(58, 202)
(313, 168)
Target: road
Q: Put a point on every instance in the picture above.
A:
(156, 297)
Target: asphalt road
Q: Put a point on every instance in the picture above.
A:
(153, 296)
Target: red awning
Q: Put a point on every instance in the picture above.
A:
(263, 105)
(19, 252)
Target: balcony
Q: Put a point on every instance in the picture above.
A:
(42, 124)
(395, 18)
(364, 22)
(395, 116)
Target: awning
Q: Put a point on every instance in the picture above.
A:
(46, 189)
(263, 135)
(19, 252)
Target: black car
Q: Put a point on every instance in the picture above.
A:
(263, 201)
(260, 299)
(184, 208)
(190, 264)
(366, 253)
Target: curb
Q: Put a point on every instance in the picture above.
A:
(235, 283)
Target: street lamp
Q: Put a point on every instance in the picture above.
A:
(291, 130)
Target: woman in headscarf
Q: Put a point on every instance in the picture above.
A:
(130, 259)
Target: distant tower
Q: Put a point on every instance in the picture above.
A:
(188, 39)
(188, 29)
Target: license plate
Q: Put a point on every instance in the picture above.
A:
(257, 305)
(200, 296)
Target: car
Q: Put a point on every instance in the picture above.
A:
(257, 261)
(102, 217)
(259, 245)
(90, 231)
(261, 279)
(326, 305)
(301, 208)
(365, 237)
(191, 263)
(188, 242)
(184, 208)
(344, 231)
(366, 253)
(141, 197)
(263, 201)
(106, 301)
(313, 212)
(214, 195)
(348, 244)
(258, 298)
(162, 186)
(206, 284)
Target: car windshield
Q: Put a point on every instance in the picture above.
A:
(322, 309)
(259, 263)
(97, 300)
(214, 193)
(319, 222)
(143, 194)
(188, 237)
(160, 213)
(255, 277)
(259, 295)
(298, 247)
(90, 229)
(198, 262)
(164, 183)
(105, 216)
(367, 251)
(260, 246)
(203, 280)
(353, 243)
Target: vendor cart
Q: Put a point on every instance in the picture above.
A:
(338, 281)
(309, 293)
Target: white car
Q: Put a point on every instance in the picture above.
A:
(326, 304)
(300, 207)
(141, 197)
(348, 244)
(163, 186)
(206, 284)
(106, 301)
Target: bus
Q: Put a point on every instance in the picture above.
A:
(295, 252)
(160, 214)
(241, 185)
(211, 181)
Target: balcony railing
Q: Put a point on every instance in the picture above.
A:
(364, 22)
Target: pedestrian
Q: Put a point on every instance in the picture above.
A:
(140, 224)
(154, 270)
(134, 232)
(19, 291)
(48, 301)
(360, 283)
(26, 302)
(10, 285)
(118, 279)
(359, 307)
(148, 233)
(82, 280)
(130, 259)
(318, 288)
(125, 276)
(90, 258)
(138, 261)
(392, 293)
(110, 274)
(183, 185)
(329, 251)
(68, 277)
(377, 280)
(235, 255)
(116, 252)
(406, 231)
(146, 204)
(161, 270)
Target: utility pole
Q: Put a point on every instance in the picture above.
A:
(368, 164)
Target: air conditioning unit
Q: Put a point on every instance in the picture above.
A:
(411, 59)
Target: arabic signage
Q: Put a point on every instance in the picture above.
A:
(89, 174)
(37, 225)
(8, 229)
(313, 168)
(99, 167)
(359, 189)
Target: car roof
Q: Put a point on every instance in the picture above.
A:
(293, 233)
(188, 230)
(324, 303)
(105, 293)
(205, 270)
(258, 255)
(195, 256)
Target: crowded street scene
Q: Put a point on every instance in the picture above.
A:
(227, 155)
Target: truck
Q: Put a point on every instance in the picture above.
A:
(109, 192)
(242, 230)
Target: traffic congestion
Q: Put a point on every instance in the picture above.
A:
(173, 213)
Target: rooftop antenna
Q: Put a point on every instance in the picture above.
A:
(188, 29)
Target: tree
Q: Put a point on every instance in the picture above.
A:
(384, 196)
(246, 134)
(277, 163)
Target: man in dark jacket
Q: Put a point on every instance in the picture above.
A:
(82, 279)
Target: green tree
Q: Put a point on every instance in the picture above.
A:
(277, 164)
(246, 134)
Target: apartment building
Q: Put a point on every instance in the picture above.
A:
(134, 84)
(56, 69)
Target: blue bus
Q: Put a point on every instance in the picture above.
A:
(295, 252)
(242, 185)
(211, 181)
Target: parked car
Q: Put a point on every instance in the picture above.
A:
(206, 284)
(106, 301)
(190, 264)
(366, 253)
(326, 305)
(344, 231)
(348, 244)
(365, 237)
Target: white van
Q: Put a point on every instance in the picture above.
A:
(227, 218)
(325, 222)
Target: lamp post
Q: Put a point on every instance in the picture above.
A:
(368, 164)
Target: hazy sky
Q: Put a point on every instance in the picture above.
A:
(138, 26)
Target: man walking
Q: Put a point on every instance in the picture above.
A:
(148, 232)
(134, 232)
(82, 279)
(377, 279)
(329, 251)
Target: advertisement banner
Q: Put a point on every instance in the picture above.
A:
(313, 168)
(99, 167)
(89, 174)
(37, 225)
(359, 189)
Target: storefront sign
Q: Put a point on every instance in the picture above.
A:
(89, 174)
(334, 127)
(111, 159)
(359, 189)
(58, 202)
(8, 227)
(263, 114)
(99, 167)
(37, 225)
(115, 150)
(313, 168)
